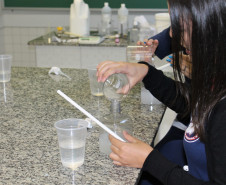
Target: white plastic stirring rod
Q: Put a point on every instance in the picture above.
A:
(89, 115)
(163, 66)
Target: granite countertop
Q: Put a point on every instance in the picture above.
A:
(30, 105)
(49, 40)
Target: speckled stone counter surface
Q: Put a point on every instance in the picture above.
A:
(49, 39)
(30, 105)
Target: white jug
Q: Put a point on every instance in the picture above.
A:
(162, 21)
(79, 18)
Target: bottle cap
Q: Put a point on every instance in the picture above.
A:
(106, 4)
(59, 28)
(123, 5)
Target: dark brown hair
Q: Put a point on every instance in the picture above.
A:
(207, 22)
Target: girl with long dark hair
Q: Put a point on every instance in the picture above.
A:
(200, 27)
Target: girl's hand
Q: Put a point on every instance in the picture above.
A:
(134, 72)
(151, 42)
(132, 153)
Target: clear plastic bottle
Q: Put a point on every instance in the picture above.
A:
(116, 87)
(106, 13)
(105, 20)
(117, 122)
(123, 20)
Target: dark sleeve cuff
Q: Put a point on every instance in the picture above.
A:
(153, 74)
(164, 89)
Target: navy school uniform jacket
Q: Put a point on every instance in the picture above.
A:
(164, 89)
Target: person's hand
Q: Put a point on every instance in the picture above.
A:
(134, 72)
(151, 42)
(132, 153)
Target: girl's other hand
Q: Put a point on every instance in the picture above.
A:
(150, 42)
(132, 153)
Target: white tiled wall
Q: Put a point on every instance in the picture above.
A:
(94, 55)
(60, 56)
(77, 57)
(18, 26)
(15, 41)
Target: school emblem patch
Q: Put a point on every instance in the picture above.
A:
(190, 135)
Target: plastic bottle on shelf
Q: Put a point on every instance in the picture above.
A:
(106, 13)
(134, 32)
(105, 20)
(123, 20)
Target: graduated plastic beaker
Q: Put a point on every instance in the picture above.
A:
(5, 68)
(139, 53)
(95, 86)
(72, 139)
